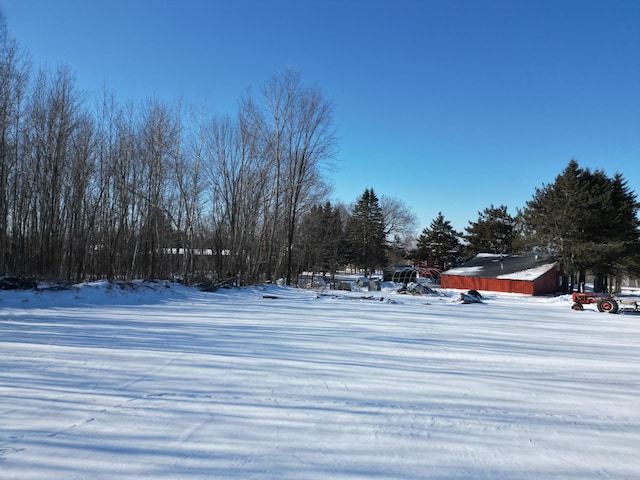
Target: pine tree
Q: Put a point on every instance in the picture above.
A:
(551, 219)
(439, 245)
(588, 220)
(322, 234)
(366, 232)
(334, 253)
(625, 218)
(493, 232)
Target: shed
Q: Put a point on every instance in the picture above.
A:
(532, 275)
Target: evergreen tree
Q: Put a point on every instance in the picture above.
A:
(439, 245)
(625, 218)
(366, 232)
(588, 220)
(334, 248)
(322, 234)
(493, 232)
(552, 221)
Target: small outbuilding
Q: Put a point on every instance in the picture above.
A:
(532, 275)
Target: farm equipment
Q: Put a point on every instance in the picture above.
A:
(605, 302)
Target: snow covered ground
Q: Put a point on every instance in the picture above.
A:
(172, 383)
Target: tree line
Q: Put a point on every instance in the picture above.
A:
(146, 189)
(585, 219)
(92, 188)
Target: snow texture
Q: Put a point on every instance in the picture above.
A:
(528, 274)
(167, 382)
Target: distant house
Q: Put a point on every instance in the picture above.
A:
(530, 275)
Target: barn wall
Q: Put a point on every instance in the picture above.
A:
(518, 286)
(488, 284)
(543, 285)
(547, 283)
(451, 281)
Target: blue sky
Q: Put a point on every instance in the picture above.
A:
(448, 105)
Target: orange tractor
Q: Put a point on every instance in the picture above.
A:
(605, 302)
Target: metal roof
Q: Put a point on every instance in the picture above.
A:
(514, 267)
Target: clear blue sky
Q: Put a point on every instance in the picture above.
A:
(448, 105)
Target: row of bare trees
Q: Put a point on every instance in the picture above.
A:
(91, 187)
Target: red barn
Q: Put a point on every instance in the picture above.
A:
(504, 273)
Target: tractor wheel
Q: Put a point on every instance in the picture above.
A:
(577, 306)
(608, 305)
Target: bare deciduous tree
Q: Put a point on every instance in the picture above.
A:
(296, 130)
(13, 82)
(400, 222)
(118, 191)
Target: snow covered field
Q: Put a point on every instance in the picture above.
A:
(173, 383)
